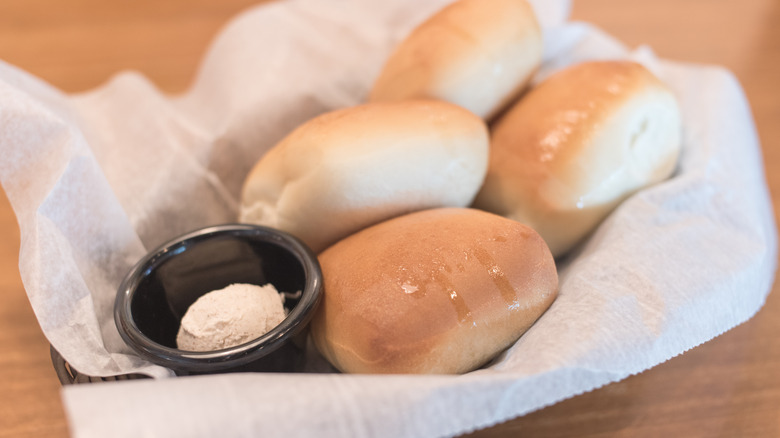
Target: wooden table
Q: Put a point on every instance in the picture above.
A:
(728, 387)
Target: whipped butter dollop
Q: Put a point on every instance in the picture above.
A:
(231, 316)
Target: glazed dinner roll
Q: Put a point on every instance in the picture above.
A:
(351, 168)
(436, 291)
(577, 145)
(477, 54)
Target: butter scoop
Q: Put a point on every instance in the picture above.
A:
(231, 316)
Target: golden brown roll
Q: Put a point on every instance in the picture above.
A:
(436, 291)
(477, 54)
(348, 169)
(577, 145)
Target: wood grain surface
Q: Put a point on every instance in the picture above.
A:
(728, 387)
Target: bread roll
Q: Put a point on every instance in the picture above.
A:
(477, 54)
(577, 145)
(437, 291)
(351, 168)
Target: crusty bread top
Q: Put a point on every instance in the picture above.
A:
(434, 291)
(350, 168)
(350, 129)
(554, 123)
(475, 53)
(577, 144)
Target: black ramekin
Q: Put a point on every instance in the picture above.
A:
(156, 293)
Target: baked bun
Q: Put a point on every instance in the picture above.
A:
(436, 291)
(478, 54)
(577, 145)
(348, 169)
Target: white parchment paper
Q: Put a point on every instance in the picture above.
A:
(98, 179)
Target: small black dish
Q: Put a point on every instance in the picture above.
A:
(156, 293)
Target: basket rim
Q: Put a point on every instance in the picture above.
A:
(68, 375)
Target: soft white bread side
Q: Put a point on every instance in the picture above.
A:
(577, 145)
(348, 169)
(437, 291)
(478, 54)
